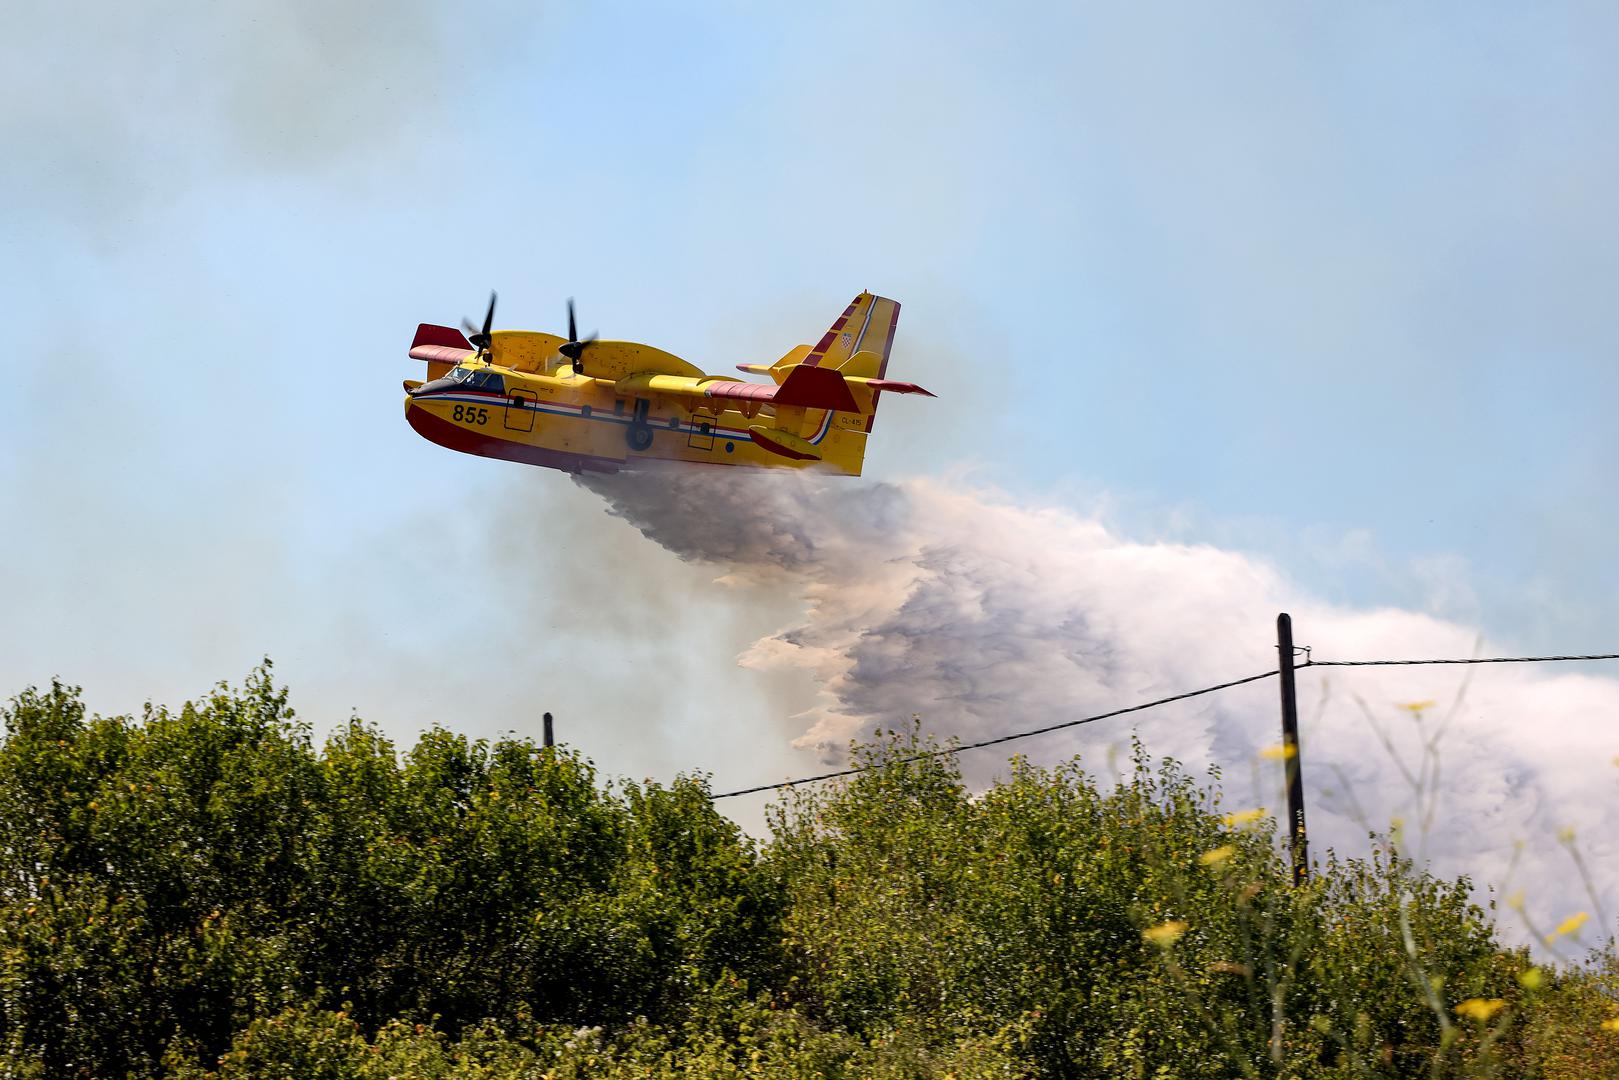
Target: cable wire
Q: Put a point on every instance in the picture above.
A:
(1475, 660)
(995, 741)
(1309, 662)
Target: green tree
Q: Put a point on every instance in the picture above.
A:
(206, 892)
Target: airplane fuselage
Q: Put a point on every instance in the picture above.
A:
(601, 406)
(577, 423)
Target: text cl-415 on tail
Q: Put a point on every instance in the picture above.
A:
(577, 405)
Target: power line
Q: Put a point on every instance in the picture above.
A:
(995, 741)
(1308, 662)
(1475, 660)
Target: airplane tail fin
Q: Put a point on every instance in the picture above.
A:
(843, 375)
(866, 326)
(858, 346)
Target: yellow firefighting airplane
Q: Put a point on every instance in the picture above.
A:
(579, 405)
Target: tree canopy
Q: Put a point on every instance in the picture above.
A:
(206, 891)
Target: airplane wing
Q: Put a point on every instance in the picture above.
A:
(844, 371)
(617, 360)
(441, 345)
(804, 387)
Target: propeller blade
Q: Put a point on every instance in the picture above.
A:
(480, 339)
(574, 348)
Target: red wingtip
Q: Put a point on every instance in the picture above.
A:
(447, 337)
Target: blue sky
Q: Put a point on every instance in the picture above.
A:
(1329, 285)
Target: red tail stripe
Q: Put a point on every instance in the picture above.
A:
(819, 352)
(888, 348)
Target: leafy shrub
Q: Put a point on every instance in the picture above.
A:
(175, 877)
(207, 893)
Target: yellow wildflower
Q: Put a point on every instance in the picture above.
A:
(1572, 924)
(1244, 817)
(1165, 934)
(1416, 708)
(1532, 979)
(1280, 751)
(1480, 1009)
(1611, 1025)
(1218, 855)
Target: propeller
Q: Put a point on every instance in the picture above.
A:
(480, 339)
(573, 348)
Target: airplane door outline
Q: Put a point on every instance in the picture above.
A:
(702, 430)
(520, 410)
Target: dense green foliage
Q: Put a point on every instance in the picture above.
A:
(207, 892)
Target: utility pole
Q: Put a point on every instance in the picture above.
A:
(1290, 750)
(549, 741)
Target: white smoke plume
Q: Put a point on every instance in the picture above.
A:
(988, 618)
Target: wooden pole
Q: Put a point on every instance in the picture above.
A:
(1290, 750)
(549, 740)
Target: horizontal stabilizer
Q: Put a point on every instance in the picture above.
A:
(784, 443)
(894, 386)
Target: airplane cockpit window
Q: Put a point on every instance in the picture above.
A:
(467, 378)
